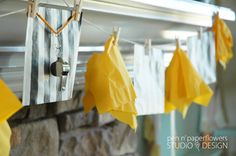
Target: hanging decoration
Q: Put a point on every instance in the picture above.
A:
(108, 85)
(9, 102)
(223, 41)
(5, 135)
(52, 42)
(201, 53)
(184, 85)
(9, 105)
(213, 117)
(149, 80)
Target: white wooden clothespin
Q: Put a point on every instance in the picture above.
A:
(116, 33)
(148, 46)
(178, 43)
(32, 8)
(200, 32)
(78, 9)
(216, 13)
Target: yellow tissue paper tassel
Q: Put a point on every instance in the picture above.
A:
(108, 85)
(9, 103)
(5, 135)
(223, 41)
(184, 85)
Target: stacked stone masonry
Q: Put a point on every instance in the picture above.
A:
(62, 129)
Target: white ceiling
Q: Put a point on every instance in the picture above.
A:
(13, 27)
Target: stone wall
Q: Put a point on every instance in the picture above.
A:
(62, 129)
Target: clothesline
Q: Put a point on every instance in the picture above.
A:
(84, 19)
(106, 32)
